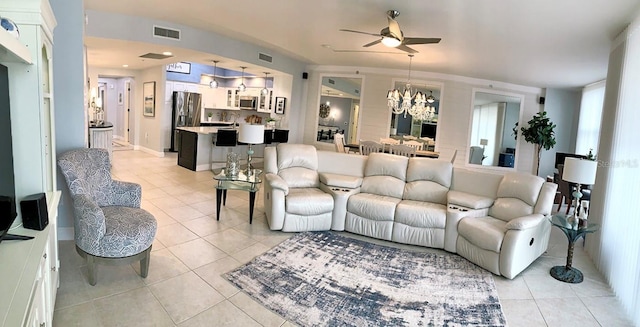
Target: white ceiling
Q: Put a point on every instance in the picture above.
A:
(544, 43)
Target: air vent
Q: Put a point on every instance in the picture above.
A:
(331, 81)
(265, 57)
(151, 55)
(166, 33)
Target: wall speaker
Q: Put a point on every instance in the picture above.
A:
(305, 75)
(34, 212)
(541, 100)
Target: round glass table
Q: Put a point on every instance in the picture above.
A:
(573, 230)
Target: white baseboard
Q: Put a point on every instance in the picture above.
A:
(65, 234)
(159, 154)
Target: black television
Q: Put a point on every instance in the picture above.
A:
(7, 182)
(560, 156)
(429, 130)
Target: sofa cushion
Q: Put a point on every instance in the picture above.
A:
(421, 214)
(425, 191)
(297, 155)
(372, 206)
(308, 202)
(508, 208)
(467, 181)
(520, 186)
(300, 177)
(469, 200)
(382, 164)
(340, 180)
(484, 232)
(383, 185)
(426, 169)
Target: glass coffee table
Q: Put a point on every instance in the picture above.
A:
(573, 232)
(242, 182)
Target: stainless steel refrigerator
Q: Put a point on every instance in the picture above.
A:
(186, 112)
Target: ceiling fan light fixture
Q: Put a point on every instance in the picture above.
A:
(391, 42)
(242, 87)
(214, 83)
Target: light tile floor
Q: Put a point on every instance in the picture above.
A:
(192, 250)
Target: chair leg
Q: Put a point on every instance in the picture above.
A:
(144, 263)
(93, 270)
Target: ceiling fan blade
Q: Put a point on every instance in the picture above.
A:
(365, 51)
(359, 32)
(406, 48)
(421, 40)
(372, 43)
(394, 28)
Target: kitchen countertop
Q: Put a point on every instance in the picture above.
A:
(207, 129)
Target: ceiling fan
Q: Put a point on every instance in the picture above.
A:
(393, 37)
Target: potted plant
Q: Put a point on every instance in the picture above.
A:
(271, 122)
(539, 132)
(209, 116)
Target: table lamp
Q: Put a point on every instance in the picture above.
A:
(579, 171)
(250, 134)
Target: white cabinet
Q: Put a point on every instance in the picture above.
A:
(30, 273)
(265, 102)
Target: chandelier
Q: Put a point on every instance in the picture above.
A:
(415, 105)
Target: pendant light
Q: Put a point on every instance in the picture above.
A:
(214, 83)
(430, 98)
(242, 87)
(265, 91)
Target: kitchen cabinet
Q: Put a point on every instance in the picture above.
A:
(265, 102)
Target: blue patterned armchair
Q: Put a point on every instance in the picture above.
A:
(109, 224)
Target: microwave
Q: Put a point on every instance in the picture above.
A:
(248, 102)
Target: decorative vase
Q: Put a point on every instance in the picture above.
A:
(10, 26)
(233, 164)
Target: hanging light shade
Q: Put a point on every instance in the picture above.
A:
(214, 83)
(430, 98)
(242, 87)
(265, 91)
(405, 102)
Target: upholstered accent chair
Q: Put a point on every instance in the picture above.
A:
(476, 155)
(109, 225)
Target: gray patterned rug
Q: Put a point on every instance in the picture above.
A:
(324, 279)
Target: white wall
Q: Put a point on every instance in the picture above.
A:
(454, 116)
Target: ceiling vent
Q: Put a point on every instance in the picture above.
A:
(151, 55)
(265, 57)
(331, 81)
(166, 33)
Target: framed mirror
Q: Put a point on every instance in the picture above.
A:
(491, 138)
(339, 108)
(423, 127)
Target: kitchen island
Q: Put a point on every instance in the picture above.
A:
(197, 150)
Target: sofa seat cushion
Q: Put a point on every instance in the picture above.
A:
(469, 200)
(308, 202)
(373, 206)
(129, 231)
(484, 232)
(421, 214)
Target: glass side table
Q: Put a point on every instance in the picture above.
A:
(567, 273)
(242, 182)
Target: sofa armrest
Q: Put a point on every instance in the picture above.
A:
(469, 200)
(525, 222)
(338, 180)
(89, 222)
(125, 194)
(277, 182)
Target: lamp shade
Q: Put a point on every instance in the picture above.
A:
(579, 171)
(252, 134)
(484, 142)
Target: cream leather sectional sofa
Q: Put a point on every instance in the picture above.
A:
(498, 222)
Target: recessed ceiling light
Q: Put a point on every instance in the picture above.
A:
(125, 65)
(167, 53)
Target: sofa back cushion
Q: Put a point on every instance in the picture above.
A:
(467, 181)
(517, 196)
(298, 165)
(385, 174)
(428, 180)
(341, 163)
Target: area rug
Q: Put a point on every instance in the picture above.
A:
(325, 279)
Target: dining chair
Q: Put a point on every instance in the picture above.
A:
(403, 150)
(338, 140)
(367, 147)
(414, 144)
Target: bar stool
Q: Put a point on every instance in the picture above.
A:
(224, 138)
(268, 136)
(280, 136)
